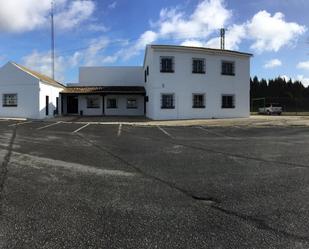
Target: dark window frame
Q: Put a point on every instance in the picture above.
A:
(109, 106)
(198, 69)
(165, 67)
(167, 103)
(97, 106)
(226, 70)
(5, 100)
(227, 104)
(201, 105)
(132, 107)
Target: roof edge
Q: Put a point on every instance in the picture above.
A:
(214, 50)
(33, 75)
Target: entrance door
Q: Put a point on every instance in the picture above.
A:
(47, 105)
(72, 104)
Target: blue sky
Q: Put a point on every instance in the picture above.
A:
(115, 32)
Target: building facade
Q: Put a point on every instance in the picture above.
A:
(192, 83)
(175, 82)
(27, 94)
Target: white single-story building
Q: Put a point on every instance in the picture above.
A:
(27, 94)
(175, 82)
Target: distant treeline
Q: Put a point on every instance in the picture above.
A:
(292, 95)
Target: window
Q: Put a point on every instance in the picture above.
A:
(112, 103)
(198, 101)
(228, 101)
(167, 64)
(10, 100)
(145, 75)
(198, 66)
(131, 103)
(228, 68)
(167, 101)
(93, 102)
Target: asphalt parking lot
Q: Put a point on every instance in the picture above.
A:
(83, 185)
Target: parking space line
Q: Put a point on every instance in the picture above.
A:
(164, 131)
(28, 122)
(46, 126)
(119, 130)
(213, 132)
(79, 129)
(240, 127)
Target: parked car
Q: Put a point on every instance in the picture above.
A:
(271, 109)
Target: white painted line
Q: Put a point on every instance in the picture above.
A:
(214, 133)
(119, 130)
(79, 129)
(240, 127)
(164, 131)
(46, 126)
(28, 122)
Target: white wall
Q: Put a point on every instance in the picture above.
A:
(122, 106)
(14, 80)
(53, 93)
(183, 84)
(111, 76)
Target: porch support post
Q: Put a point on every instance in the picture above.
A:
(103, 105)
(61, 100)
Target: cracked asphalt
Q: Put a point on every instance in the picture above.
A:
(130, 186)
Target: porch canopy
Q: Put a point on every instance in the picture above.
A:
(104, 100)
(103, 90)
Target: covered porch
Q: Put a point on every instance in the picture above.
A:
(103, 101)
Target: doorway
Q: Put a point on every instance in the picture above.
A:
(72, 104)
(47, 105)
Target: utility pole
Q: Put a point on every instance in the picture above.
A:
(52, 40)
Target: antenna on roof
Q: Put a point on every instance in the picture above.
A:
(52, 40)
(222, 34)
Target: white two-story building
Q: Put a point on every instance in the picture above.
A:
(175, 82)
(190, 82)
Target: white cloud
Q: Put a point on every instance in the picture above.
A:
(74, 14)
(28, 15)
(92, 55)
(303, 65)
(147, 37)
(209, 15)
(41, 62)
(112, 5)
(98, 28)
(271, 33)
(268, 33)
(233, 38)
(192, 43)
(286, 78)
(303, 79)
(273, 63)
(96, 46)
